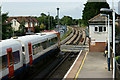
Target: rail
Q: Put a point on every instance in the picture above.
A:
(66, 39)
(78, 38)
(69, 41)
(57, 66)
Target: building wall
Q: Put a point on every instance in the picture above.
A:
(99, 36)
(97, 47)
(36, 24)
(26, 24)
(15, 24)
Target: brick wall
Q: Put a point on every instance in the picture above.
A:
(98, 47)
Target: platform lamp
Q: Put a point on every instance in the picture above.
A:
(58, 17)
(105, 15)
(113, 11)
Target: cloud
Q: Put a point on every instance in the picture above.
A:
(74, 9)
(43, 0)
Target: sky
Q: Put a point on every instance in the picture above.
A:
(71, 8)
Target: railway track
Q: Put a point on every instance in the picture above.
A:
(63, 67)
(78, 37)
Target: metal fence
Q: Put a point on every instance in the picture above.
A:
(117, 67)
(117, 70)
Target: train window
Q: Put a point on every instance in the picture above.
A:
(53, 41)
(23, 49)
(10, 58)
(3, 62)
(49, 43)
(44, 44)
(37, 48)
(16, 57)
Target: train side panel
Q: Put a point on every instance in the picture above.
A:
(12, 61)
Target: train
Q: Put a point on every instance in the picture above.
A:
(18, 54)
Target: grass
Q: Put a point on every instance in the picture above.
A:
(66, 34)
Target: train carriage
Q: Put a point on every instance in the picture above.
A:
(11, 56)
(20, 53)
(35, 46)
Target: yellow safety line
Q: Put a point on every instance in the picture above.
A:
(81, 66)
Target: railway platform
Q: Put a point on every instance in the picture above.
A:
(89, 65)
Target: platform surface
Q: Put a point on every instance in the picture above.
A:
(94, 67)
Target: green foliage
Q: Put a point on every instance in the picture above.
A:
(92, 9)
(37, 29)
(21, 30)
(117, 59)
(22, 26)
(42, 26)
(6, 27)
(43, 19)
(66, 20)
(42, 14)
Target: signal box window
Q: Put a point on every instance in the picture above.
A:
(100, 29)
(96, 28)
(104, 29)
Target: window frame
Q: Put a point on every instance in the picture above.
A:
(14, 57)
(105, 29)
(98, 29)
(5, 62)
(101, 29)
(95, 29)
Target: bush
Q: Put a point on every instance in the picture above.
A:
(37, 29)
(117, 59)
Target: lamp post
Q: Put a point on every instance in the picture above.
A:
(48, 20)
(58, 18)
(113, 11)
(108, 40)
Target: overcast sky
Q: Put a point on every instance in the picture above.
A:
(71, 8)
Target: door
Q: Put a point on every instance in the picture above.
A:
(10, 62)
(30, 52)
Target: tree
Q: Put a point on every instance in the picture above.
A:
(6, 27)
(37, 29)
(21, 30)
(43, 19)
(92, 9)
(42, 15)
(42, 26)
(66, 20)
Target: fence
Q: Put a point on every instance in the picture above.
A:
(117, 71)
(117, 67)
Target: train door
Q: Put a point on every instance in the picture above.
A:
(30, 52)
(10, 62)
